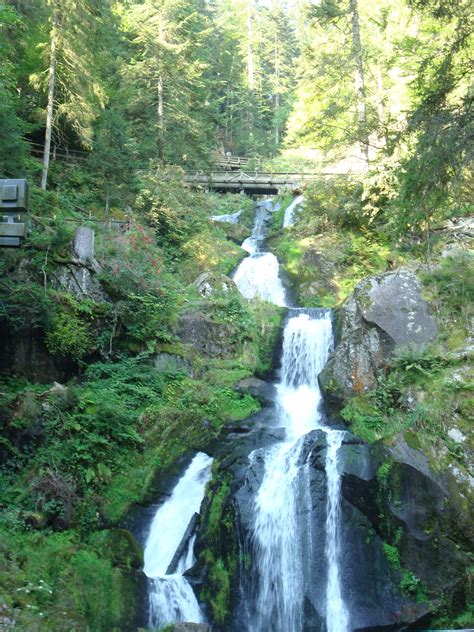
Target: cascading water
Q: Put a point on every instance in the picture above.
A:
(171, 598)
(288, 218)
(279, 541)
(258, 274)
(336, 615)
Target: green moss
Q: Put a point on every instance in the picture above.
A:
(220, 554)
(364, 418)
(393, 556)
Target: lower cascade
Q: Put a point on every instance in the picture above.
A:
(171, 597)
(282, 532)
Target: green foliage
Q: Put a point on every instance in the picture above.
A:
(383, 473)
(24, 306)
(452, 284)
(365, 418)
(38, 570)
(392, 555)
(69, 334)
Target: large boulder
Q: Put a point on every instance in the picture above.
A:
(191, 627)
(265, 392)
(83, 245)
(414, 511)
(206, 336)
(383, 313)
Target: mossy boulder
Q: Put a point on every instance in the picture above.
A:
(385, 312)
(120, 546)
(207, 336)
(212, 283)
(417, 513)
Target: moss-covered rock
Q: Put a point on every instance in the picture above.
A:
(383, 313)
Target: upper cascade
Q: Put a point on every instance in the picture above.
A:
(258, 275)
(288, 219)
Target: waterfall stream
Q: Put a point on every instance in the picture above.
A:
(258, 274)
(171, 597)
(283, 528)
(288, 219)
(279, 540)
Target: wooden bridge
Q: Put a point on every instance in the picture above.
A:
(264, 183)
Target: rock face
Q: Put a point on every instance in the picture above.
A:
(263, 391)
(383, 313)
(79, 276)
(209, 283)
(207, 336)
(25, 353)
(414, 511)
(191, 627)
(172, 362)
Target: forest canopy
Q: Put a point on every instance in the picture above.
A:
(134, 84)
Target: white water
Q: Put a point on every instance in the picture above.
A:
(258, 274)
(336, 615)
(230, 218)
(288, 219)
(171, 598)
(280, 540)
(277, 531)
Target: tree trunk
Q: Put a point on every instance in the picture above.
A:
(161, 123)
(359, 81)
(250, 60)
(250, 68)
(277, 92)
(50, 106)
(160, 141)
(380, 94)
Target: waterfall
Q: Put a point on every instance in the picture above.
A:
(288, 219)
(280, 539)
(336, 615)
(171, 598)
(258, 274)
(230, 218)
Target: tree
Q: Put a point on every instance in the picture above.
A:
(12, 127)
(172, 107)
(73, 89)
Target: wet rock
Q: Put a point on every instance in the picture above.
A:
(383, 313)
(413, 510)
(191, 627)
(263, 391)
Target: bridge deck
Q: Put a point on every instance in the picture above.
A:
(231, 180)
